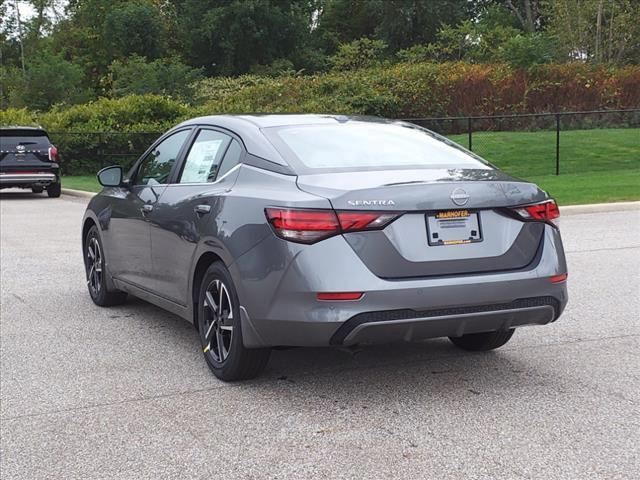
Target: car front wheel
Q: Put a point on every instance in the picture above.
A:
(221, 330)
(95, 267)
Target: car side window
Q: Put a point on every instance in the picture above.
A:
(231, 158)
(204, 158)
(156, 166)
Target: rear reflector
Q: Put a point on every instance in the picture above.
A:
(339, 296)
(310, 226)
(546, 211)
(559, 278)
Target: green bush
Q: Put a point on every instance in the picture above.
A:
(403, 90)
(361, 53)
(526, 51)
(104, 132)
(426, 89)
(417, 54)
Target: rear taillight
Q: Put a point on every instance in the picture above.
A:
(355, 221)
(310, 226)
(53, 154)
(546, 211)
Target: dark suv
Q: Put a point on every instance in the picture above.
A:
(28, 159)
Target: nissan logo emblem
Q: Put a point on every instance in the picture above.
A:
(459, 197)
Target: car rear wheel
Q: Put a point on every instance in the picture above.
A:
(54, 190)
(37, 189)
(221, 330)
(482, 342)
(95, 267)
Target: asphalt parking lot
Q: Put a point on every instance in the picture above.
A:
(124, 393)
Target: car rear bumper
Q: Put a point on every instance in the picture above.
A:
(280, 307)
(399, 325)
(27, 179)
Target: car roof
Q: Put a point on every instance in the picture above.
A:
(267, 120)
(249, 126)
(22, 128)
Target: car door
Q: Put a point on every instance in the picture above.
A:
(188, 208)
(129, 242)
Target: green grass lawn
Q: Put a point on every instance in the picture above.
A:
(528, 154)
(600, 165)
(591, 187)
(88, 183)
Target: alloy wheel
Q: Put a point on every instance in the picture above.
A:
(94, 264)
(217, 321)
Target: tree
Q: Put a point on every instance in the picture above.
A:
(527, 12)
(166, 76)
(230, 36)
(596, 30)
(96, 32)
(343, 21)
(409, 22)
(49, 79)
(134, 29)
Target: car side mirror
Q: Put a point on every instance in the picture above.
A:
(110, 176)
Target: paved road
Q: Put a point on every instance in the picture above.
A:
(123, 392)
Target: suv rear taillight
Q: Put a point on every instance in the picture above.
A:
(311, 225)
(53, 154)
(546, 211)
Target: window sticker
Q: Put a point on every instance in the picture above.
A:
(200, 166)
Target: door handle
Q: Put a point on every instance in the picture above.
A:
(202, 209)
(146, 208)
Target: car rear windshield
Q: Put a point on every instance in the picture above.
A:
(35, 139)
(357, 145)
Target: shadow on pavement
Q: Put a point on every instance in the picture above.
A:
(375, 370)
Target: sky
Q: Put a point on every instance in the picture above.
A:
(27, 11)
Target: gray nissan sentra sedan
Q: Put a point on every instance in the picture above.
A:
(319, 230)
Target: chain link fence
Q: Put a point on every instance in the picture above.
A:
(551, 143)
(523, 145)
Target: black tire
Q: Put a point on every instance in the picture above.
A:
(37, 189)
(482, 342)
(232, 361)
(54, 190)
(96, 280)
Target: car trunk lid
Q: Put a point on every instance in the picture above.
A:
(406, 248)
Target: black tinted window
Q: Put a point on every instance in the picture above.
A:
(31, 139)
(203, 160)
(231, 158)
(156, 166)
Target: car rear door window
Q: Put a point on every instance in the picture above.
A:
(156, 166)
(203, 161)
(231, 158)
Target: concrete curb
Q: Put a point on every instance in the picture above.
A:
(599, 208)
(568, 210)
(77, 193)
